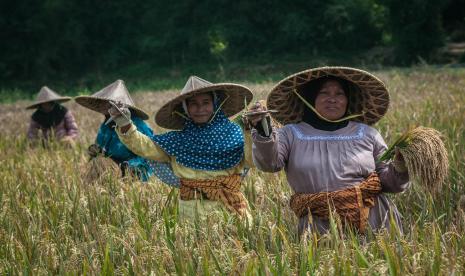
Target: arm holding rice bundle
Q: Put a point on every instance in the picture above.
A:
(393, 175)
(329, 150)
(422, 153)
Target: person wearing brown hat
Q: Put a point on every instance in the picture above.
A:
(108, 145)
(207, 151)
(328, 149)
(51, 118)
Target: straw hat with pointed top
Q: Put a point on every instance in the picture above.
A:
(368, 96)
(233, 96)
(116, 92)
(47, 95)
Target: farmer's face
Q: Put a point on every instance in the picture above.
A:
(331, 101)
(47, 107)
(200, 108)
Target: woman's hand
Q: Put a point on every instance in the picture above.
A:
(399, 162)
(261, 121)
(253, 120)
(94, 150)
(120, 114)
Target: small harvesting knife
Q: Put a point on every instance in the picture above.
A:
(264, 122)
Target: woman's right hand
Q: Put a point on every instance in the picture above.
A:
(94, 150)
(254, 119)
(121, 115)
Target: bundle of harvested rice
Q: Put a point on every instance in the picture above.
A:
(424, 154)
(99, 168)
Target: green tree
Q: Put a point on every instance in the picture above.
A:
(416, 28)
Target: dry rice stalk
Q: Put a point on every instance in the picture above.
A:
(100, 167)
(425, 156)
(460, 214)
(461, 204)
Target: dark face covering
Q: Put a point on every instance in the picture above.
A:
(50, 119)
(310, 91)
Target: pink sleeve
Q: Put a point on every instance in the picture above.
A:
(70, 125)
(32, 132)
(391, 180)
(270, 154)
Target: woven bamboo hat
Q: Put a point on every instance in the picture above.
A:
(116, 92)
(47, 95)
(233, 96)
(368, 94)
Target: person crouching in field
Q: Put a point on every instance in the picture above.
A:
(51, 120)
(207, 151)
(108, 145)
(328, 149)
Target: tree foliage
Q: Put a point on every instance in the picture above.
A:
(69, 39)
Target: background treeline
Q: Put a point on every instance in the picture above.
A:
(84, 40)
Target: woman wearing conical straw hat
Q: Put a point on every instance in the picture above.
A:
(328, 149)
(207, 151)
(51, 118)
(108, 145)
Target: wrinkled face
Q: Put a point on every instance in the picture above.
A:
(331, 101)
(200, 108)
(47, 107)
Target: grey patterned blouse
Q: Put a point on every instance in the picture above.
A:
(324, 161)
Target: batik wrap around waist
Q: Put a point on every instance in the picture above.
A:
(225, 189)
(352, 204)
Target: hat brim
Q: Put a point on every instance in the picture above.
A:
(102, 105)
(58, 100)
(369, 96)
(234, 94)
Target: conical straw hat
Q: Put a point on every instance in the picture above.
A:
(368, 96)
(47, 95)
(234, 95)
(116, 92)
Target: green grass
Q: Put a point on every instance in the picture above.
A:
(52, 222)
(144, 77)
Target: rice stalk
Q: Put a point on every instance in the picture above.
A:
(425, 156)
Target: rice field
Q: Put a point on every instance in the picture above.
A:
(53, 222)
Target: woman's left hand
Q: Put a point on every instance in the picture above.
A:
(399, 161)
(94, 150)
